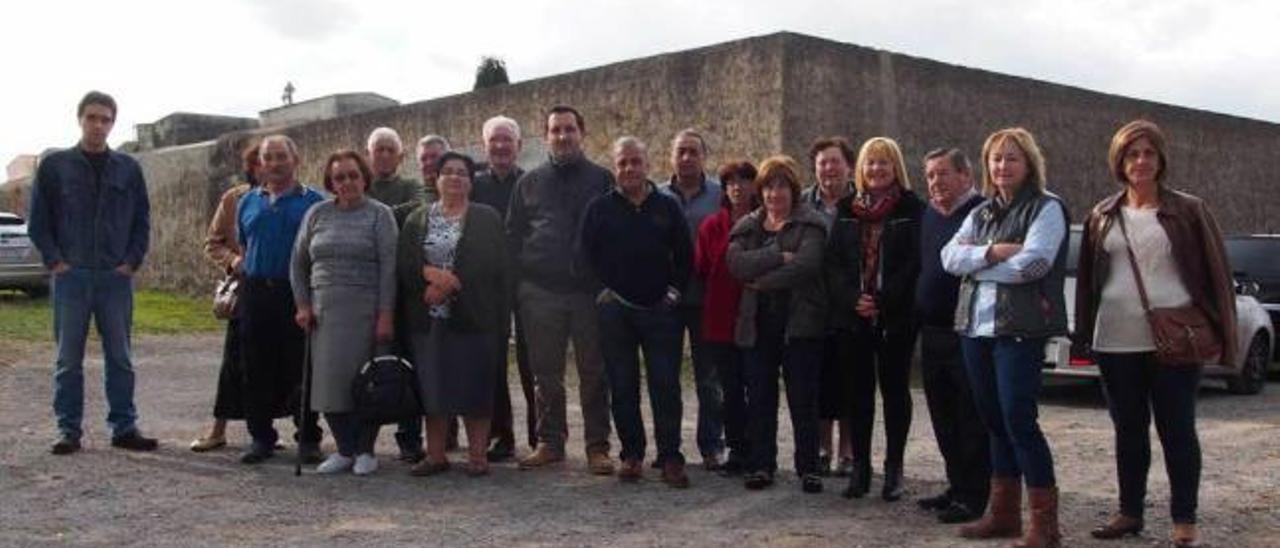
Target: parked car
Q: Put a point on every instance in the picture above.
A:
(20, 264)
(1254, 330)
(1255, 260)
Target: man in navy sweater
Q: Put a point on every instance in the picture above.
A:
(961, 437)
(636, 242)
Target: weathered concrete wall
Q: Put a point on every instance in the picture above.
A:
(324, 108)
(183, 128)
(183, 185)
(841, 89)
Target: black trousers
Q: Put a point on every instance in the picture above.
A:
(876, 357)
(799, 361)
(961, 437)
(228, 404)
(503, 429)
(272, 348)
(1138, 388)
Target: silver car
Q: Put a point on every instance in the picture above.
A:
(1254, 333)
(20, 264)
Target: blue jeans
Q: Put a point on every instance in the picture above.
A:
(1004, 374)
(730, 364)
(1137, 388)
(624, 332)
(107, 297)
(710, 401)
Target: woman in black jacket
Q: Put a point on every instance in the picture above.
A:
(872, 261)
(452, 269)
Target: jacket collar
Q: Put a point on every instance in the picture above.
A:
(802, 213)
(1169, 202)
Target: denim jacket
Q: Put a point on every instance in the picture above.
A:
(74, 217)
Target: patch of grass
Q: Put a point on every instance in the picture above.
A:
(154, 312)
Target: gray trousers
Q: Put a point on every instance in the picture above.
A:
(550, 320)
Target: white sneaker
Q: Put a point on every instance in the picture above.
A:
(366, 464)
(336, 463)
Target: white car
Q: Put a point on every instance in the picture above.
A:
(1254, 333)
(20, 264)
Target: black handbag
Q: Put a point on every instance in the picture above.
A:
(385, 391)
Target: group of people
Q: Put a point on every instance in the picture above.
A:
(828, 287)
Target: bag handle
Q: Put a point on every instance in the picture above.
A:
(1133, 262)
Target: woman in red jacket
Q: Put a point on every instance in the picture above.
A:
(720, 304)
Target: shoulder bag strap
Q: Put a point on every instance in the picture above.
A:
(1133, 262)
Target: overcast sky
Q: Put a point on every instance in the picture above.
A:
(233, 57)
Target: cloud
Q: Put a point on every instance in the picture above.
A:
(307, 20)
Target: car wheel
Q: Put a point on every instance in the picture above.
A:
(1253, 374)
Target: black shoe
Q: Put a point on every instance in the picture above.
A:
(733, 467)
(936, 503)
(134, 441)
(411, 456)
(824, 465)
(65, 445)
(309, 452)
(811, 483)
(257, 453)
(501, 451)
(756, 481)
(958, 512)
(859, 481)
(892, 489)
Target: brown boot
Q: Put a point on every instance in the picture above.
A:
(1004, 512)
(1043, 532)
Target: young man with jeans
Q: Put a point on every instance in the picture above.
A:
(90, 218)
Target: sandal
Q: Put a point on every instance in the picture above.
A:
(476, 469)
(206, 443)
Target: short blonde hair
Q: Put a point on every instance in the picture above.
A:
(1025, 142)
(877, 147)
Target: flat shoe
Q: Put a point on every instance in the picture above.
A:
(427, 468)
(1118, 526)
(203, 444)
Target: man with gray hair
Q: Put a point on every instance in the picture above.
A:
(492, 187)
(636, 242)
(961, 436)
(699, 196)
(267, 222)
(430, 148)
(386, 151)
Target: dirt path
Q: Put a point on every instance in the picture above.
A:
(174, 497)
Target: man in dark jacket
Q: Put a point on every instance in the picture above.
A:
(492, 187)
(556, 291)
(91, 220)
(636, 241)
(957, 428)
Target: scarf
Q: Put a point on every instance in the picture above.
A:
(871, 208)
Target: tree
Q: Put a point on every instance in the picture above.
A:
(491, 72)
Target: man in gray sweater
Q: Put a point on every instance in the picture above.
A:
(556, 291)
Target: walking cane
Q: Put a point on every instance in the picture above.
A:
(305, 404)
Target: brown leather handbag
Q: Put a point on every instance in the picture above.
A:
(1183, 335)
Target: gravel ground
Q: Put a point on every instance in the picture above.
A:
(108, 497)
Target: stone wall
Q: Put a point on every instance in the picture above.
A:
(835, 88)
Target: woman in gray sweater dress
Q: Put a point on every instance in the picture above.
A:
(452, 268)
(343, 278)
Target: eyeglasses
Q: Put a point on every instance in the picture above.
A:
(344, 177)
(450, 172)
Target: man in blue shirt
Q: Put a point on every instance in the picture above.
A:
(267, 222)
(699, 196)
(90, 218)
